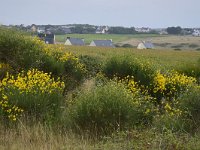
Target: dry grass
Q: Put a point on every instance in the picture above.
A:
(168, 42)
(40, 138)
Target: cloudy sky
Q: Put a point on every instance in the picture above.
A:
(137, 13)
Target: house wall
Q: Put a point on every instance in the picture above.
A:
(92, 43)
(68, 42)
(141, 46)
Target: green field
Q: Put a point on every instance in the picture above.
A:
(165, 58)
(115, 37)
(159, 41)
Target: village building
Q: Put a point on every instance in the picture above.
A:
(41, 30)
(47, 38)
(102, 43)
(196, 32)
(74, 41)
(145, 45)
(143, 30)
(33, 28)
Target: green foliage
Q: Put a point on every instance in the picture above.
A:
(123, 66)
(107, 108)
(18, 50)
(190, 103)
(174, 30)
(122, 30)
(127, 46)
(92, 64)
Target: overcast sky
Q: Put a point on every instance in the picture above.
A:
(137, 13)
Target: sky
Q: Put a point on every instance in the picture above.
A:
(128, 13)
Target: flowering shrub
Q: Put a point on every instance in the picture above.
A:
(3, 69)
(171, 84)
(35, 92)
(6, 109)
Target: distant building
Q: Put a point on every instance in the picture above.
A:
(145, 45)
(50, 39)
(74, 41)
(143, 30)
(67, 30)
(163, 32)
(102, 30)
(196, 32)
(41, 29)
(102, 43)
(33, 28)
(47, 38)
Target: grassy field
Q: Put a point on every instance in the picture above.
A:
(165, 58)
(160, 41)
(115, 37)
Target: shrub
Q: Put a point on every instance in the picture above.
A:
(19, 51)
(127, 46)
(92, 64)
(4, 68)
(193, 45)
(142, 70)
(108, 108)
(170, 85)
(190, 103)
(39, 95)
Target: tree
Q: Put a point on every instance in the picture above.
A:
(174, 30)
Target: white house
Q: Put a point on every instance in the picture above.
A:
(74, 41)
(196, 32)
(102, 29)
(145, 45)
(143, 30)
(41, 29)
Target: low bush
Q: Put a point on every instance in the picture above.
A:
(127, 46)
(190, 103)
(143, 71)
(19, 51)
(92, 64)
(109, 107)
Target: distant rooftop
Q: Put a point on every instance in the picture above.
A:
(102, 43)
(76, 41)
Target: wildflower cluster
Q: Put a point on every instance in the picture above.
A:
(3, 69)
(171, 84)
(17, 92)
(33, 81)
(141, 99)
(11, 111)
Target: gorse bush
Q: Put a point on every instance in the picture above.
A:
(35, 92)
(4, 68)
(123, 66)
(92, 64)
(170, 84)
(109, 107)
(19, 51)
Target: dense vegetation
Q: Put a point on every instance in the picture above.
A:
(87, 98)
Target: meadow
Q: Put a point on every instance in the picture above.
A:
(115, 37)
(174, 42)
(72, 97)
